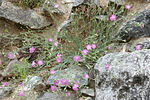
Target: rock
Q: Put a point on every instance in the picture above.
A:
(119, 2)
(143, 42)
(53, 96)
(105, 2)
(5, 91)
(85, 98)
(72, 74)
(137, 27)
(27, 88)
(10, 67)
(25, 17)
(123, 76)
(89, 92)
(31, 82)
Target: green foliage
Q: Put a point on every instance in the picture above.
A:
(87, 29)
(28, 3)
(32, 3)
(21, 70)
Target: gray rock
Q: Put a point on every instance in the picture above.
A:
(25, 17)
(27, 88)
(77, 2)
(89, 92)
(99, 2)
(53, 96)
(5, 91)
(134, 28)
(10, 67)
(119, 2)
(72, 74)
(31, 82)
(143, 42)
(126, 78)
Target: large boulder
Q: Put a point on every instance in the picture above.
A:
(22, 16)
(123, 76)
(136, 27)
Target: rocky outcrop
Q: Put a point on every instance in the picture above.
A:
(123, 76)
(137, 27)
(25, 17)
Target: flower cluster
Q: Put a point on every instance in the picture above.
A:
(37, 63)
(54, 43)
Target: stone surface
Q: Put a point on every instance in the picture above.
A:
(89, 92)
(53, 96)
(9, 67)
(27, 87)
(5, 91)
(137, 27)
(72, 74)
(126, 76)
(143, 42)
(25, 17)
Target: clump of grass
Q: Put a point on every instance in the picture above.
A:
(85, 29)
(21, 70)
(28, 3)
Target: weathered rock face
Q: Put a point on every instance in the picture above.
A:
(123, 76)
(53, 96)
(141, 43)
(72, 74)
(5, 91)
(10, 67)
(27, 88)
(137, 27)
(25, 17)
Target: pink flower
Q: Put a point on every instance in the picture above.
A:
(75, 87)
(113, 17)
(93, 46)
(86, 76)
(56, 44)
(76, 58)
(50, 40)
(68, 94)
(56, 82)
(64, 82)
(59, 55)
(21, 84)
(56, 6)
(10, 55)
(5, 83)
(21, 93)
(88, 47)
(52, 72)
(32, 50)
(40, 62)
(85, 52)
(128, 7)
(53, 88)
(59, 60)
(109, 48)
(142, 25)
(138, 47)
(34, 64)
(107, 66)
